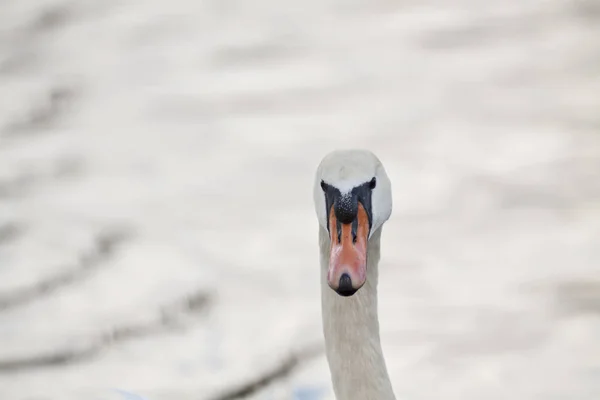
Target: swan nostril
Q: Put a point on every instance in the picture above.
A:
(345, 287)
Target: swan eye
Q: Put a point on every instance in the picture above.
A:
(323, 186)
(373, 183)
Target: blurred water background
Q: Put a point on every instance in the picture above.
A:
(157, 233)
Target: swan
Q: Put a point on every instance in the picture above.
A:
(353, 199)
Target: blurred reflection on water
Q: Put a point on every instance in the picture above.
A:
(157, 232)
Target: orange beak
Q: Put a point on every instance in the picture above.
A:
(348, 254)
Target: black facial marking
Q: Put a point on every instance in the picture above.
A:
(373, 183)
(346, 208)
(345, 205)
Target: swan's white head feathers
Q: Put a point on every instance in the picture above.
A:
(347, 169)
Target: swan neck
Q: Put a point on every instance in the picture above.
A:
(351, 330)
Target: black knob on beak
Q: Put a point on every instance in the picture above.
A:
(345, 288)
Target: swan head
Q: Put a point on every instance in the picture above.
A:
(353, 199)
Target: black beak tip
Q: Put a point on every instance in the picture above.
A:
(345, 288)
(346, 293)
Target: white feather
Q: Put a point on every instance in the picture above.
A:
(351, 324)
(346, 169)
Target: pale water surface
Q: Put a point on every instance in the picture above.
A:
(157, 233)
